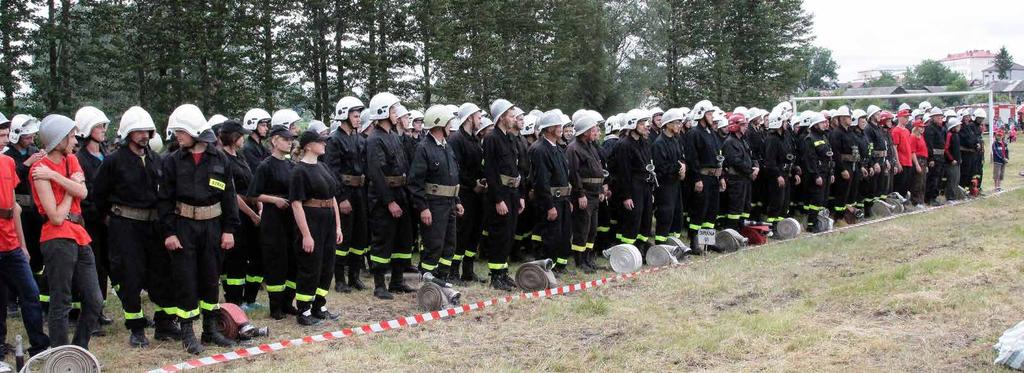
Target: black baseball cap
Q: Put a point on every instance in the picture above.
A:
(281, 131)
(308, 137)
(232, 126)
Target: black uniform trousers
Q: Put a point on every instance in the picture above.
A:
(352, 252)
(557, 234)
(737, 201)
(439, 238)
(668, 211)
(777, 207)
(703, 206)
(585, 225)
(814, 199)
(635, 224)
(933, 183)
(277, 236)
(195, 268)
(842, 193)
(469, 227)
(500, 232)
(391, 243)
(607, 224)
(243, 265)
(138, 260)
(315, 270)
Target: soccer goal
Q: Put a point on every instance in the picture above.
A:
(989, 93)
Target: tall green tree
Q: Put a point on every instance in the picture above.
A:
(931, 73)
(1003, 63)
(820, 68)
(14, 18)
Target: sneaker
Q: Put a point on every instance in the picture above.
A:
(324, 314)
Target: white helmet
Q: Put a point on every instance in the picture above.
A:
(786, 108)
(740, 110)
(672, 115)
(934, 111)
(794, 120)
(499, 107)
(858, 113)
(529, 125)
(952, 122)
(380, 106)
(364, 122)
(811, 118)
(550, 119)
(720, 120)
(700, 108)
(23, 125)
(775, 119)
(925, 105)
(904, 106)
(453, 125)
(253, 117)
(344, 106)
(752, 113)
(585, 122)
(595, 114)
(963, 113)
(401, 111)
(465, 111)
(656, 111)
(216, 119)
(949, 113)
(53, 129)
(87, 118)
(980, 113)
(577, 114)
(610, 124)
(135, 119)
(284, 118)
(633, 119)
(188, 118)
(872, 110)
(437, 116)
(914, 113)
(416, 114)
(842, 111)
(156, 144)
(484, 123)
(317, 126)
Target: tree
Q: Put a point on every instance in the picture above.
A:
(931, 73)
(886, 79)
(14, 16)
(820, 68)
(1003, 63)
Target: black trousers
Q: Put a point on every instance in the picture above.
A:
(901, 181)
(98, 232)
(668, 211)
(500, 232)
(635, 224)
(138, 260)
(391, 242)
(737, 201)
(585, 225)
(277, 238)
(557, 234)
(195, 268)
(969, 169)
(243, 265)
(777, 207)
(933, 183)
(470, 226)
(439, 238)
(352, 252)
(814, 198)
(703, 206)
(315, 270)
(32, 225)
(71, 267)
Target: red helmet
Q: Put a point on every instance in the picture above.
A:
(918, 123)
(735, 122)
(885, 117)
(905, 113)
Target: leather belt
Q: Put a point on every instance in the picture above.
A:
(134, 213)
(394, 181)
(197, 212)
(593, 180)
(6, 213)
(75, 218)
(880, 153)
(509, 181)
(25, 200)
(439, 190)
(967, 150)
(849, 158)
(711, 171)
(319, 203)
(938, 151)
(353, 180)
(558, 192)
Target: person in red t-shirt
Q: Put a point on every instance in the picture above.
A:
(58, 187)
(919, 149)
(904, 153)
(15, 272)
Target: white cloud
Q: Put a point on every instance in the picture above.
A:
(867, 34)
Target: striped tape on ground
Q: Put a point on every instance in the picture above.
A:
(404, 322)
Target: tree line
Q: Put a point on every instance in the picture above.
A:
(230, 55)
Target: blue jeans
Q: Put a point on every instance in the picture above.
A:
(15, 273)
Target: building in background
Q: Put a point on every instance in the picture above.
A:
(899, 72)
(990, 74)
(971, 64)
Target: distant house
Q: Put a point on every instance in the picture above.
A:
(992, 74)
(970, 63)
(936, 88)
(871, 91)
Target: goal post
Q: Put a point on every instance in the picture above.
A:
(991, 107)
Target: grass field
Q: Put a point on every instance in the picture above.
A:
(928, 292)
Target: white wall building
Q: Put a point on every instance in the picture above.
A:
(991, 74)
(971, 64)
(899, 72)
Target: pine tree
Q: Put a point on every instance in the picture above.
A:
(14, 15)
(1003, 63)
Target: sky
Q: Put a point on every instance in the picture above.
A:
(866, 34)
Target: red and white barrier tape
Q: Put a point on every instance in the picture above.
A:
(404, 322)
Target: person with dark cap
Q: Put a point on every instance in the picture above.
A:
(346, 158)
(199, 211)
(312, 194)
(270, 186)
(243, 265)
(125, 190)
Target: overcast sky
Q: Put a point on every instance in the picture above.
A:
(866, 34)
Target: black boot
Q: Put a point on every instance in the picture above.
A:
(188, 339)
(468, 273)
(211, 334)
(322, 313)
(340, 285)
(305, 316)
(276, 305)
(379, 290)
(138, 338)
(591, 258)
(288, 302)
(498, 282)
(104, 320)
(166, 330)
(397, 284)
(581, 263)
(451, 275)
(353, 278)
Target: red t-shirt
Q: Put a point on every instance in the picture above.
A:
(920, 147)
(67, 229)
(901, 138)
(8, 180)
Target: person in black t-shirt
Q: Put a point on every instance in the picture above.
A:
(270, 186)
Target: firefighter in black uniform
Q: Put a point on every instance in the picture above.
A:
(469, 156)
(970, 150)
(125, 190)
(504, 201)
(244, 261)
(387, 169)
(879, 145)
(270, 185)
(551, 190)
(635, 179)
(346, 158)
(257, 122)
(607, 213)
(741, 171)
(817, 167)
(312, 194)
(669, 163)
(434, 188)
(935, 138)
(755, 137)
(23, 150)
(777, 169)
(846, 156)
(92, 135)
(704, 171)
(587, 177)
(199, 213)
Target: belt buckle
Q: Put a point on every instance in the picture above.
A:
(433, 189)
(557, 193)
